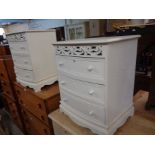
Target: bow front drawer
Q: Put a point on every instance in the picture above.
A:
(87, 69)
(89, 91)
(84, 109)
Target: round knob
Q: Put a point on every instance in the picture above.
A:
(91, 113)
(91, 92)
(61, 63)
(62, 82)
(31, 118)
(90, 68)
(65, 100)
(25, 62)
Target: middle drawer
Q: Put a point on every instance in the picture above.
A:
(86, 90)
(24, 74)
(7, 89)
(22, 61)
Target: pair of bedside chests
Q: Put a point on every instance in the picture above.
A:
(96, 75)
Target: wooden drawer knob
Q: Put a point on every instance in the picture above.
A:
(39, 105)
(2, 74)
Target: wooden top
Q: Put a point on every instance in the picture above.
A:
(118, 26)
(99, 40)
(29, 31)
(45, 93)
(65, 122)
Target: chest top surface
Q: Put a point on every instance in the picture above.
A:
(100, 40)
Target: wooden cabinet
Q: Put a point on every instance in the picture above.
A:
(37, 105)
(7, 77)
(14, 111)
(33, 125)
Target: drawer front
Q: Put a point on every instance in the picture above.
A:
(22, 61)
(3, 71)
(85, 109)
(7, 89)
(19, 48)
(36, 108)
(19, 37)
(32, 104)
(34, 125)
(14, 112)
(83, 68)
(86, 90)
(24, 74)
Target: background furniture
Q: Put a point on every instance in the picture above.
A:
(35, 107)
(7, 77)
(33, 57)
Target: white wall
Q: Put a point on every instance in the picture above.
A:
(46, 23)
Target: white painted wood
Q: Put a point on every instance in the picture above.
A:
(83, 68)
(90, 91)
(97, 89)
(34, 57)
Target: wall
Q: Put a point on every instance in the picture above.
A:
(46, 23)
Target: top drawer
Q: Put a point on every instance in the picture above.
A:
(19, 48)
(87, 69)
(16, 37)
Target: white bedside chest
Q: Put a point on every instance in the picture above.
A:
(33, 58)
(96, 79)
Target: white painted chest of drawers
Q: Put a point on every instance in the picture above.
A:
(34, 61)
(96, 79)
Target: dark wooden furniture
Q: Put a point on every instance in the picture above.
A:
(151, 99)
(36, 106)
(7, 78)
(4, 50)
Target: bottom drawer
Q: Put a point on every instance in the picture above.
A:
(85, 109)
(33, 125)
